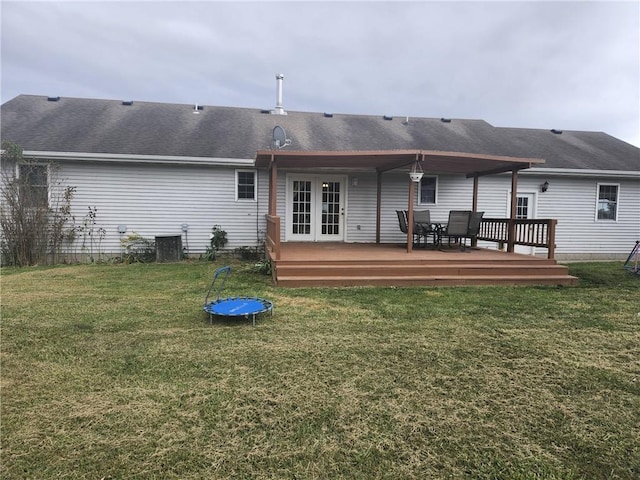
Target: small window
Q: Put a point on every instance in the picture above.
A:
(607, 202)
(246, 185)
(33, 188)
(428, 187)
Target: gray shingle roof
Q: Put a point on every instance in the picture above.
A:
(143, 128)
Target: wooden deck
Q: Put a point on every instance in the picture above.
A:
(351, 264)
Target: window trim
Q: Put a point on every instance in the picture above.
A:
(607, 184)
(47, 168)
(255, 184)
(435, 200)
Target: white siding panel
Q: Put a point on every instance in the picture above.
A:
(361, 208)
(572, 201)
(157, 199)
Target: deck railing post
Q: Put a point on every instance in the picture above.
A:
(551, 239)
(272, 242)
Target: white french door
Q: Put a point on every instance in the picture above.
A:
(315, 208)
(525, 208)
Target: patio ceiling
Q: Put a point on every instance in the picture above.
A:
(432, 161)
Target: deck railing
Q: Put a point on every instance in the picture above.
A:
(530, 232)
(272, 240)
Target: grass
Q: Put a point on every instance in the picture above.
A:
(113, 371)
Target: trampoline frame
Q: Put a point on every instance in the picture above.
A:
(247, 307)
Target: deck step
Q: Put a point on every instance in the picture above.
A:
(391, 269)
(312, 265)
(422, 280)
(417, 261)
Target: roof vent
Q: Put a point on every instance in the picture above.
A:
(279, 110)
(445, 120)
(128, 103)
(53, 99)
(265, 111)
(388, 117)
(328, 115)
(197, 108)
(557, 132)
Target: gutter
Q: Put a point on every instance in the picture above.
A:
(580, 172)
(146, 159)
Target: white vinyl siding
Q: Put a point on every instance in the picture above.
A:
(157, 199)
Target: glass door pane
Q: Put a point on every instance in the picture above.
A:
(331, 208)
(301, 207)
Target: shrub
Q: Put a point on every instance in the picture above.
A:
(250, 253)
(34, 209)
(217, 240)
(138, 249)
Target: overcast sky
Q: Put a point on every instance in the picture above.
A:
(565, 65)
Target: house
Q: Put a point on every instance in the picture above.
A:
(171, 169)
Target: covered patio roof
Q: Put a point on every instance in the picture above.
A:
(432, 161)
(472, 165)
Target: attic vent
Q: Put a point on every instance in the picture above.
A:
(53, 99)
(388, 117)
(557, 132)
(445, 120)
(128, 103)
(328, 115)
(197, 108)
(265, 111)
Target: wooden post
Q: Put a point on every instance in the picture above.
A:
(410, 218)
(273, 187)
(474, 205)
(378, 207)
(511, 238)
(551, 239)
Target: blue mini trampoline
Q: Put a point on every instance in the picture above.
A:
(247, 307)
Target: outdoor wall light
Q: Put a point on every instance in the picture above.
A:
(544, 187)
(416, 172)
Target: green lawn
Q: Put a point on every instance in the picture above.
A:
(113, 371)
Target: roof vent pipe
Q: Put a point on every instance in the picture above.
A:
(279, 110)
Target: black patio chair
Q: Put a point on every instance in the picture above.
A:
(402, 222)
(463, 224)
(457, 226)
(474, 227)
(422, 223)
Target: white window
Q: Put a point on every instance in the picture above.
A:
(428, 190)
(33, 186)
(607, 206)
(246, 185)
